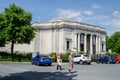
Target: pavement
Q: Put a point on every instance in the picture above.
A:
(26, 71)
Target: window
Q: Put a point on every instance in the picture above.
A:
(102, 47)
(68, 44)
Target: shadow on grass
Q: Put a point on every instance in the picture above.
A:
(40, 76)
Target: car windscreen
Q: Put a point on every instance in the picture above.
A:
(77, 56)
(86, 55)
(44, 56)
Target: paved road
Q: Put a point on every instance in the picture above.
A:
(18, 71)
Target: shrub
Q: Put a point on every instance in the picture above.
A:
(53, 57)
(114, 54)
(24, 57)
(65, 56)
(81, 52)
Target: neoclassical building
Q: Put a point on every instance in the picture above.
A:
(60, 35)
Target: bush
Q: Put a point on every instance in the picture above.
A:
(112, 54)
(65, 56)
(53, 57)
(22, 57)
(81, 52)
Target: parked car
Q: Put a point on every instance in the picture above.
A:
(82, 58)
(41, 60)
(106, 59)
(117, 59)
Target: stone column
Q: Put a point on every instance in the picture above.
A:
(91, 45)
(85, 44)
(96, 44)
(105, 47)
(78, 43)
(99, 45)
(75, 41)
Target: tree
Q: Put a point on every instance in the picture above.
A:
(115, 39)
(3, 35)
(113, 42)
(17, 25)
(107, 42)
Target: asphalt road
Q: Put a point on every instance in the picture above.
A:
(23, 71)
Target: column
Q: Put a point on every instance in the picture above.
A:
(91, 45)
(78, 43)
(96, 44)
(99, 45)
(85, 46)
(75, 42)
(105, 47)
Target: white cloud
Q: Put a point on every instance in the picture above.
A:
(109, 22)
(73, 14)
(88, 12)
(114, 20)
(69, 13)
(96, 6)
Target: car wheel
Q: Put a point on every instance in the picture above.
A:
(37, 64)
(97, 62)
(89, 63)
(117, 62)
(32, 63)
(49, 64)
(80, 62)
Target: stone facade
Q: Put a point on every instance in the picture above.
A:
(60, 35)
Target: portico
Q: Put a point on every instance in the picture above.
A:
(89, 43)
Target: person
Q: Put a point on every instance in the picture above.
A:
(71, 62)
(59, 61)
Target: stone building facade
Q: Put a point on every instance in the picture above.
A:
(60, 35)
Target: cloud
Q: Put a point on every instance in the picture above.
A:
(88, 12)
(69, 13)
(95, 6)
(73, 14)
(113, 20)
(109, 22)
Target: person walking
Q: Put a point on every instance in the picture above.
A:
(71, 62)
(59, 61)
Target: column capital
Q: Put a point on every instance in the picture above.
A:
(85, 34)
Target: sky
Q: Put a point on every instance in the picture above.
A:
(103, 13)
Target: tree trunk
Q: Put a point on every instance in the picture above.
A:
(12, 48)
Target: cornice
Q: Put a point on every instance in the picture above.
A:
(68, 24)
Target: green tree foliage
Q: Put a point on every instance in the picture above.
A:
(115, 39)
(113, 42)
(17, 25)
(107, 43)
(3, 36)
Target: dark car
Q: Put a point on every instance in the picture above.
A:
(41, 60)
(106, 59)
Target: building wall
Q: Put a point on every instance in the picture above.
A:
(24, 47)
(45, 41)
